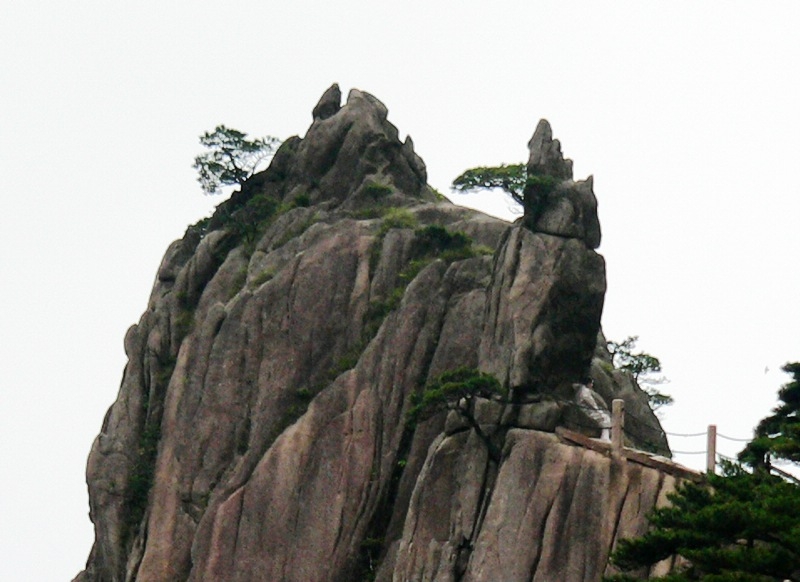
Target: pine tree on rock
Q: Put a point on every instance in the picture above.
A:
(231, 159)
(738, 526)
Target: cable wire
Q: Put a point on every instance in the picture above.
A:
(722, 436)
(648, 426)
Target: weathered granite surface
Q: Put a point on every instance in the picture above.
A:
(548, 511)
(260, 431)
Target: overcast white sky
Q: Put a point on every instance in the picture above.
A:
(687, 114)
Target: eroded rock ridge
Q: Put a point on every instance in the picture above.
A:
(261, 428)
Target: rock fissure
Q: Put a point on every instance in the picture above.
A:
(485, 496)
(549, 517)
(618, 513)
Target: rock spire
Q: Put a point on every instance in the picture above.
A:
(553, 202)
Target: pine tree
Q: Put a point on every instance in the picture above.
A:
(738, 526)
(778, 435)
(231, 159)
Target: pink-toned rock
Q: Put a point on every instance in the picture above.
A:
(261, 429)
(549, 511)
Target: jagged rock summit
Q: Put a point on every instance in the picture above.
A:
(545, 154)
(329, 103)
(554, 203)
(262, 428)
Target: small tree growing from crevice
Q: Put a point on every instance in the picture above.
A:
(457, 390)
(529, 191)
(643, 367)
(509, 178)
(231, 159)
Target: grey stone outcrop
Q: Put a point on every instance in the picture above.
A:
(261, 428)
(566, 208)
(545, 154)
(329, 104)
(548, 512)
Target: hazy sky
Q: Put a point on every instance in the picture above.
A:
(686, 113)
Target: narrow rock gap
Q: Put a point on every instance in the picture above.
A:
(622, 468)
(365, 507)
(238, 522)
(372, 549)
(490, 303)
(551, 503)
(138, 558)
(490, 474)
(661, 479)
(362, 508)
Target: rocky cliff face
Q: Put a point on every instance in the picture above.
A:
(261, 429)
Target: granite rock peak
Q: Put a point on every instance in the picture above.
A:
(261, 430)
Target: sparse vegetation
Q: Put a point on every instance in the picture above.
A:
(231, 159)
(642, 366)
(304, 394)
(249, 223)
(530, 192)
(184, 322)
(397, 218)
(457, 390)
(296, 230)
(439, 196)
(199, 228)
(434, 240)
(430, 243)
(263, 277)
(141, 477)
(377, 191)
(238, 282)
(302, 200)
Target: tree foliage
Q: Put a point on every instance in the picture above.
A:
(457, 390)
(530, 191)
(778, 436)
(642, 366)
(454, 390)
(740, 525)
(509, 178)
(231, 158)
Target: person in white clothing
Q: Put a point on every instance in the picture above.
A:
(594, 406)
